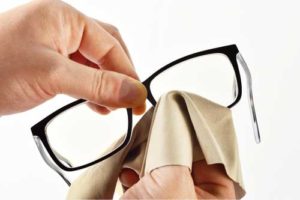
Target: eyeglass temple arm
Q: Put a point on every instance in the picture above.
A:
(48, 161)
(235, 88)
(66, 161)
(250, 96)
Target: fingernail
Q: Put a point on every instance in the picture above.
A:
(132, 92)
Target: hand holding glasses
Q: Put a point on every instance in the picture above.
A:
(76, 137)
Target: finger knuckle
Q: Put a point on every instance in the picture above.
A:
(46, 5)
(113, 46)
(113, 30)
(98, 83)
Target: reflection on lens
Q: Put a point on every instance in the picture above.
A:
(210, 76)
(80, 136)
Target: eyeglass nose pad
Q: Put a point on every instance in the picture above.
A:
(46, 158)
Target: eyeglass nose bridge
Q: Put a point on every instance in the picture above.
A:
(150, 97)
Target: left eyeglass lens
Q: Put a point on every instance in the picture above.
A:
(80, 135)
(211, 76)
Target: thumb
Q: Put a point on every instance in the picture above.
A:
(101, 87)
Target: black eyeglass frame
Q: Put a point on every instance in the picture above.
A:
(231, 51)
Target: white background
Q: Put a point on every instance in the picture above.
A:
(267, 34)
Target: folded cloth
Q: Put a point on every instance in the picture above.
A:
(181, 129)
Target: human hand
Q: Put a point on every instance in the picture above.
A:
(48, 47)
(177, 182)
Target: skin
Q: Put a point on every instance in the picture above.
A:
(49, 48)
(177, 182)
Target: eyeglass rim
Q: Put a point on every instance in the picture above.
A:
(230, 51)
(39, 129)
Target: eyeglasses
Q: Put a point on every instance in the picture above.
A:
(75, 137)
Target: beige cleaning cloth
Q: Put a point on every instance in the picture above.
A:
(182, 128)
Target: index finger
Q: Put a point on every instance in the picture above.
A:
(116, 34)
(103, 49)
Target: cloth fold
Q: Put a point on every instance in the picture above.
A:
(181, 129)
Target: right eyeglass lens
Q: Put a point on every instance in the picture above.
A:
(210, 76)
(80, 135)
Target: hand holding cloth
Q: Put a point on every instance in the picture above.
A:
(181, 129)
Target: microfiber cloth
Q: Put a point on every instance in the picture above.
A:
(182, 128)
